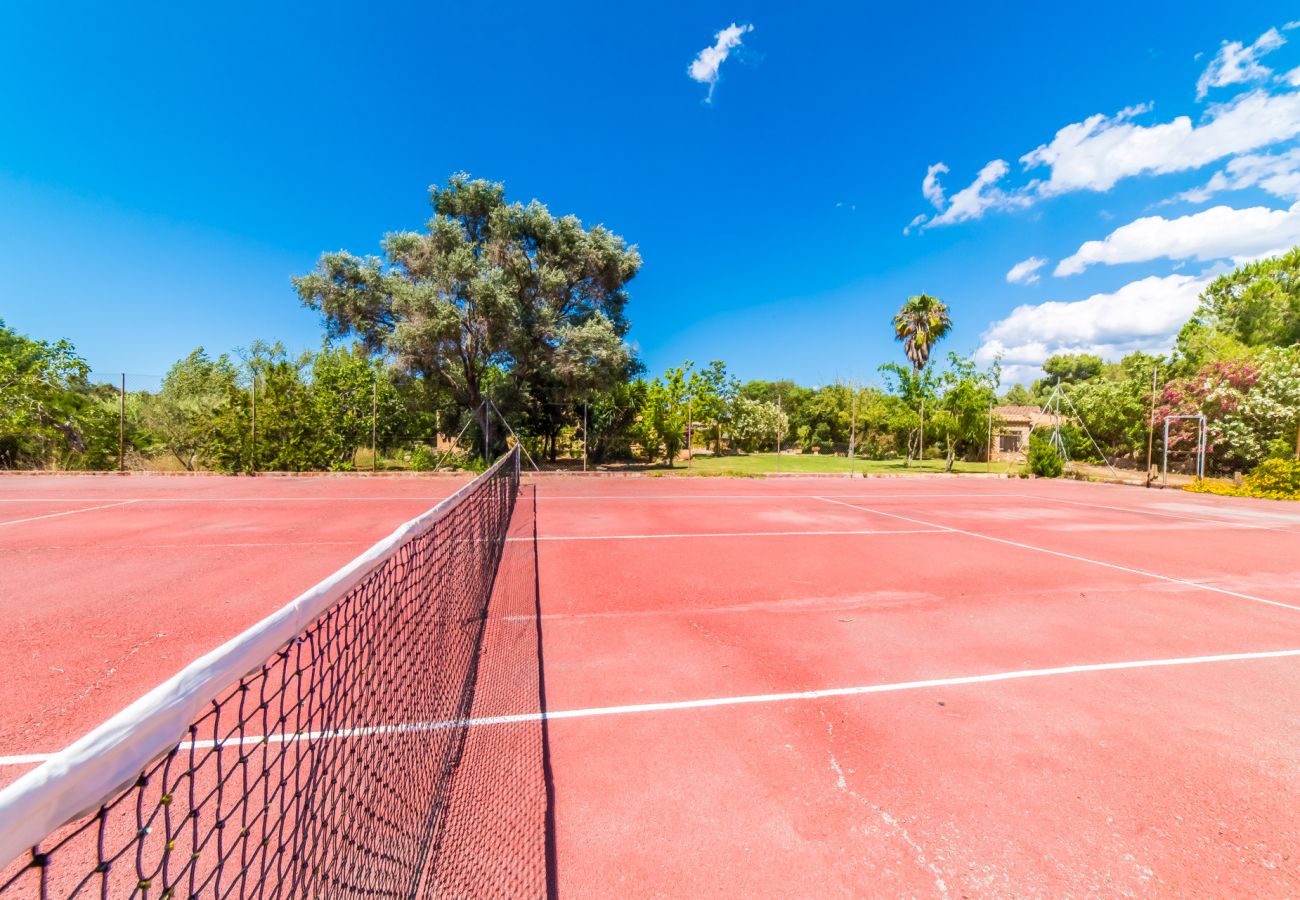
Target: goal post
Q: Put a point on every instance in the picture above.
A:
(1199, 449)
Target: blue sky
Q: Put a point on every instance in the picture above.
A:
(165, 169)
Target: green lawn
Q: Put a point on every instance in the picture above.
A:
(764, 463)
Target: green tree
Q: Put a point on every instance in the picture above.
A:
(916, 388)
(825, 418)
(489, 286)
(884, 423)
(1043, 458)
(1258, 305)
(967, 396)
(1018, 395)
(715, 393)
(611, 420)
(921, 323)
(757, 424)
(352, 392)
(664, 413)
(1071, 368)
(180, 414)
(43, 398)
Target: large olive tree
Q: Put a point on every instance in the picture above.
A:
(490, 291)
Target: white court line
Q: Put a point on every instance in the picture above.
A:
(110, 548)
(707, 703)
(541, 496)
(1168, 515)
(253, 499)
(68, 512)
(1095, 562)
(719, 534)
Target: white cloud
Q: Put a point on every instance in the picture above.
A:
(1142, 315)
(1238, 64)
(1219, 232)
(931, 187)
(1096, 153)
(915, 222)
(704, 68)
(1101, 150)
(1026, 271)
(1292, 78)
(981, 195)
(1279, 174)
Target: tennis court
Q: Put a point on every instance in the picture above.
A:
(783, 687)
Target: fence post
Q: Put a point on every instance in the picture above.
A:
(374, 426)
(988, 459)
(121, 427)
(853, 426)
(252, 457)
(690, 456)
(778, 432)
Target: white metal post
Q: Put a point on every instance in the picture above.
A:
(1164, 468)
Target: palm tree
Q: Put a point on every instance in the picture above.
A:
(921, 323)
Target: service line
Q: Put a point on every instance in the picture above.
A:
(706, 703)
(722, 534)
(68, 512)
(768, 496)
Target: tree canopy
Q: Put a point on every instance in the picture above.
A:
(921, 323)
(1257, 305)
(489, 288)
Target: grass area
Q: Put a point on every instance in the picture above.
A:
(765, 463)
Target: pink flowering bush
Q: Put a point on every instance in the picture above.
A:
(1251, 407)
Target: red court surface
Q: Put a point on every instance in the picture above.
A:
(688, 625)
(109, 586)
(782, 687)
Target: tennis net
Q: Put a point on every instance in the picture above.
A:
(315, 755)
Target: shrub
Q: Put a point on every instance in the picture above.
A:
(1273, 479)
(1278, 478)
(1043, 458)
(422, 460)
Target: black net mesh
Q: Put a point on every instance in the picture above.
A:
(350, 764)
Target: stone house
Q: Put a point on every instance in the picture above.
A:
(1011, 437)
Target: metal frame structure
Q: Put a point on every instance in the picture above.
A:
(1053, 405)
(1201, 433)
